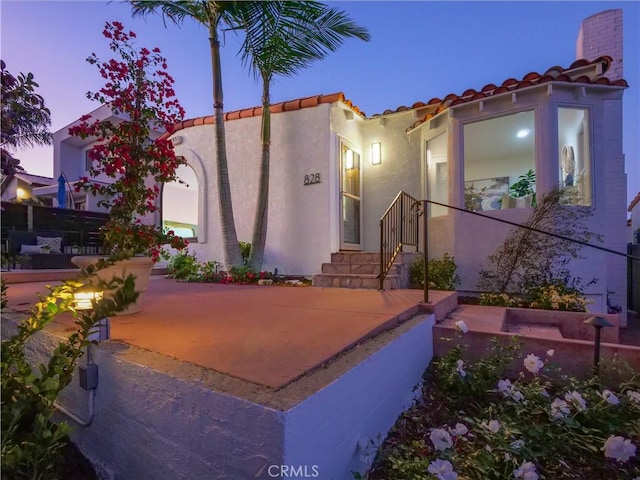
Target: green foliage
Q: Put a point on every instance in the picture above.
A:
(245, 251)
(3, 293)
(31, 443)
(442, 273)
(183, 265)
(524, 186)
(25, 118)
(476, 423)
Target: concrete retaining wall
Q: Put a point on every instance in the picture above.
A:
(152, 425)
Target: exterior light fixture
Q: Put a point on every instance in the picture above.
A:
(376, 153)
(523, 133)
(348, 161)
(21, 193)
(83, 299)
(597, 323)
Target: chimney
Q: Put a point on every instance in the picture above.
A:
(601, 34)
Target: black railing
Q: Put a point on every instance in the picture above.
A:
(398, 227)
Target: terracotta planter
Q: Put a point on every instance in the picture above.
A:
(138, 266)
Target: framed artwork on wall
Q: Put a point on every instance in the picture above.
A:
(485, 193)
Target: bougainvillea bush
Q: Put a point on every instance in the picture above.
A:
(473, 422)
(139, 91)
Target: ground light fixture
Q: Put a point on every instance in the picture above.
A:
(597, 323)
(376, 153)
(84, 299)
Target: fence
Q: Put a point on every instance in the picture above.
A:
(80, 229)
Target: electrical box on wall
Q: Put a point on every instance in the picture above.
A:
(88, 375)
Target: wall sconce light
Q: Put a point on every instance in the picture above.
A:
(21, 193)
(348, 161)
(376, 153)
(84, 299)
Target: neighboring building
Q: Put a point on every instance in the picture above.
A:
(20, 186)
(334, 170)
(71, 160)
(634, 221)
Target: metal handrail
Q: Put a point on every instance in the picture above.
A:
(398, 227)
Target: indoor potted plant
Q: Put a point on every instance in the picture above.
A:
(139, 93)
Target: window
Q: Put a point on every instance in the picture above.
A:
(575, 154)
(499, 162)
(180, 204)
(87, 160)
(438, 174)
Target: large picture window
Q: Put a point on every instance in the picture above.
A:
(499, 162)
(575, 154)
(180, 204)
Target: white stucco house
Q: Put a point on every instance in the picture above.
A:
(20, 185)
(336, 170)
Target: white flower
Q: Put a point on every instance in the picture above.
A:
(460, 429)
(550, 352)
(618, 448)
(633, 396)
(441, 439)
(526, 471)
(459, 369)
(460, 325)
(517, 444)
(505, 387)
(559, 408)
(544, 393)
(442, 469)
(533, 363)
(487, 448)
(507, 457)
(576, 399)
(610, 397)
(493, 426)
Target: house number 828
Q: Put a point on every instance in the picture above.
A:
(312, 178)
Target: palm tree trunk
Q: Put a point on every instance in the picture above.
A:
(232, 256)
(260, 223)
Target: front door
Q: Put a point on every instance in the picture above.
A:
(350, 188)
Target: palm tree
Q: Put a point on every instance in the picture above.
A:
(212, 14)
(280, 39)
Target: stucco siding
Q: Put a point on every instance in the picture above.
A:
(299, 215)
(400, 170)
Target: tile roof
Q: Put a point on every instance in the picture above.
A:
(287, 106)
(634, 202)
(553, 74)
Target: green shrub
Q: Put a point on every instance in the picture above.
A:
(183, 265)
(31, 442)
(245, 251)
(442, 273)
(473, 422)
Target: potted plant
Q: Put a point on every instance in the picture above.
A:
(139, 92)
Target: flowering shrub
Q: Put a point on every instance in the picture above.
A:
(483, 425)
(554, 296)
(185, 266)
(138, 89)
(557, 297)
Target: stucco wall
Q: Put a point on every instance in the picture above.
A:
(332, 431)
(400, 170)
(300, 216)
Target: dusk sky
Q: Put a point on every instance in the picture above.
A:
(419, 50)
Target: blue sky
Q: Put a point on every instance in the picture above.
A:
(419, 50)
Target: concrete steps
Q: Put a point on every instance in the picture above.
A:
(361, 270)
